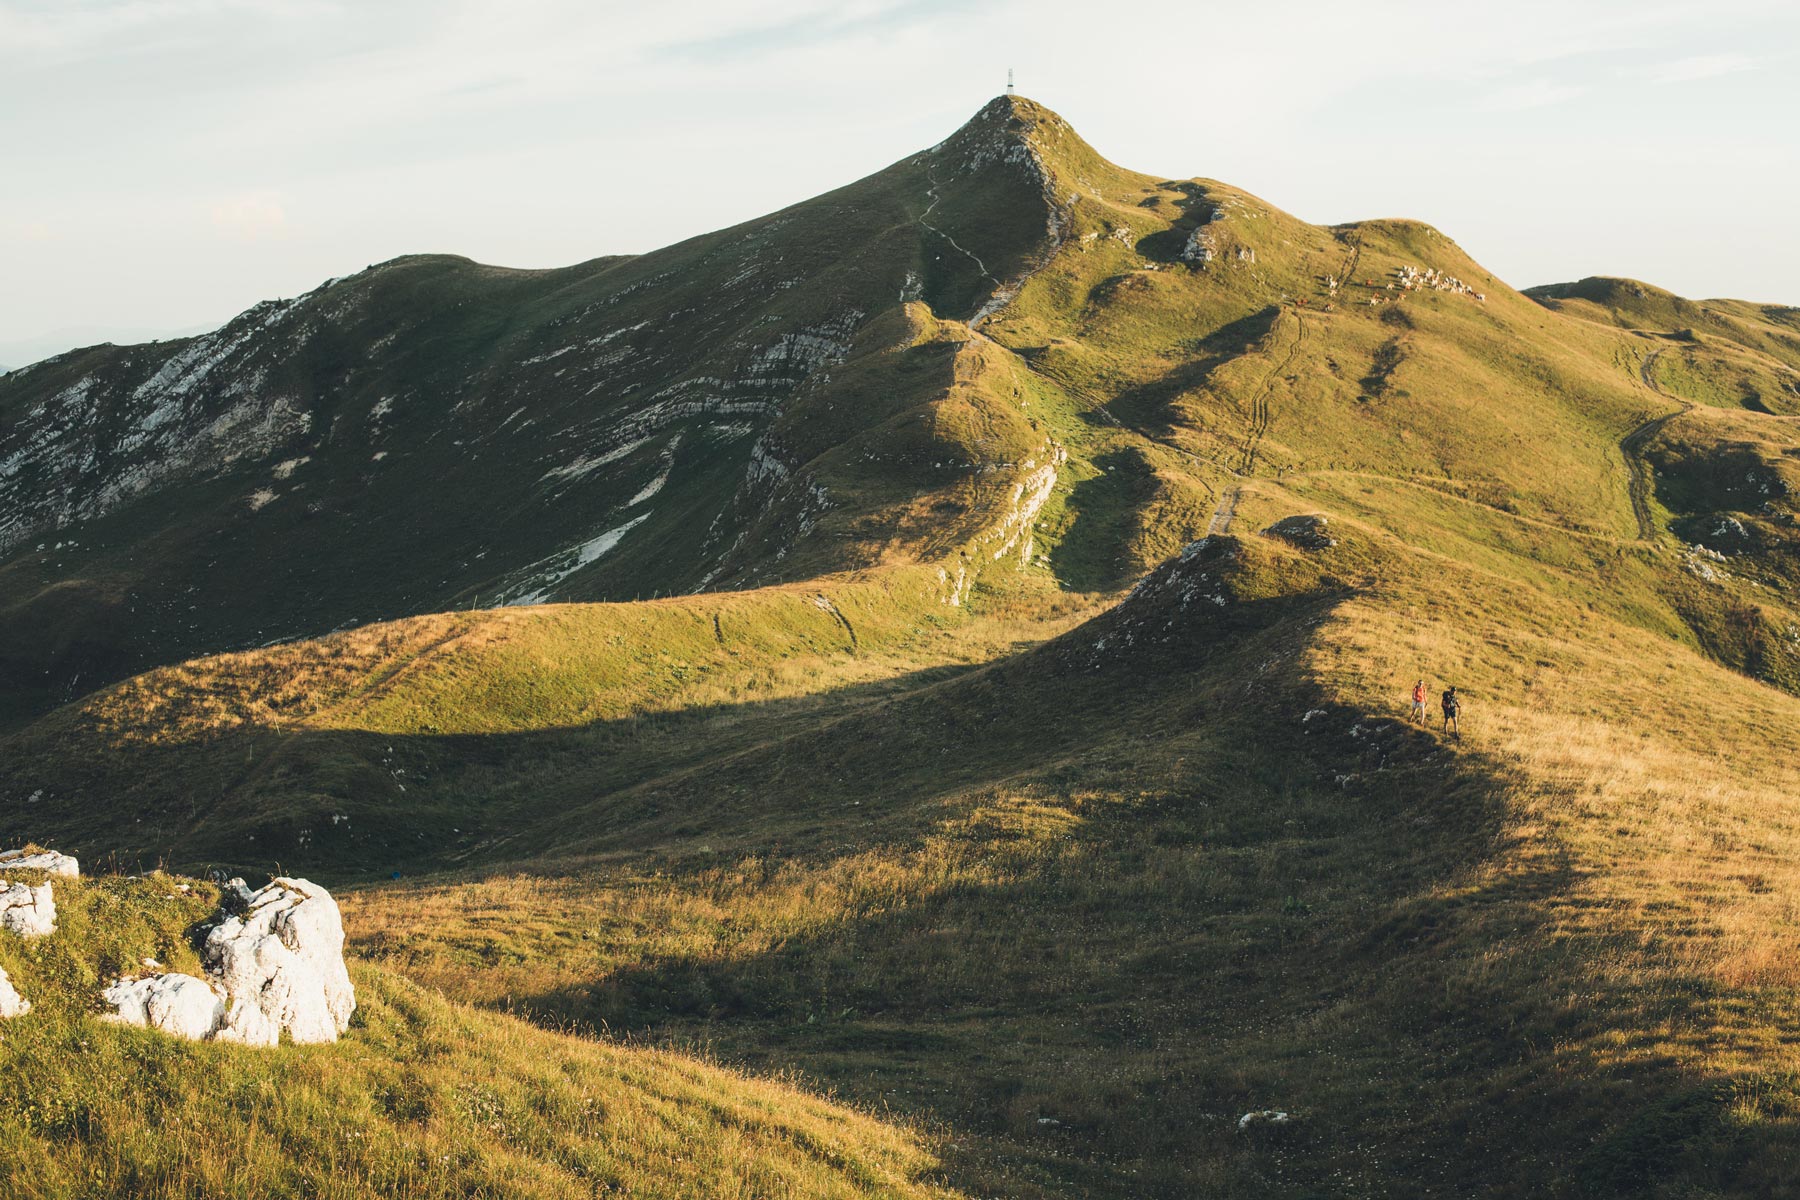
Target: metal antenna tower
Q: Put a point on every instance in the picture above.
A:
(1009, 82)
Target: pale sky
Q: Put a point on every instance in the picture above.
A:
(167, 163)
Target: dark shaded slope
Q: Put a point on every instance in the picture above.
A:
(433, 432)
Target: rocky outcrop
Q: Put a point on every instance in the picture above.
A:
(1307, 532)
(285, 956)
(28, 911)
(39, 860)
(11, 1003)
(274, 964)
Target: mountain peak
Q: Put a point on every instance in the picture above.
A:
(1013, 105)
(1009, 117)
(1013, 130)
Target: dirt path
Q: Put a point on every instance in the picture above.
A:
(1223, 512)
(1260, 413)
(932, 191)
(1349, 272)
(1632, 447)
(824, 602)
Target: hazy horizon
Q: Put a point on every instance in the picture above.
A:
(183, 159)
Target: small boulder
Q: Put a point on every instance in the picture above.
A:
(28, 911)
(11, 1003)
(275, 962)
(1306, 532)
(176, 1004)
(39, 860)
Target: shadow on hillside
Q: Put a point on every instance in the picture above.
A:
(1081, 908)
(1331, 917)
(349, 805)
(1095, 554)
(1166, 245)
(1245, 897)
(1153, 404)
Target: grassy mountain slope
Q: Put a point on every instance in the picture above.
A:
(425, 1098)
(929, 810)
(432, 433)
(1720, 353)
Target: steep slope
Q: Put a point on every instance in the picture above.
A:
(431, 433)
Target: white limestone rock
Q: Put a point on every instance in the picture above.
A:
(248, 1025)
(284, 958)
(28, 911)
(176, 1004)
(11, 1003)
(45, 860)
(275, 963)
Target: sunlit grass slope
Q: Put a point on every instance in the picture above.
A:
(395, 745)
(1093, 903)
(423, 1097)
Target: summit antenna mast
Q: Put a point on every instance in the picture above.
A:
(1009, 82)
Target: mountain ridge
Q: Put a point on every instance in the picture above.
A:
(1018, 747)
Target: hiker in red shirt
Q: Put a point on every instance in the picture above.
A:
(1418, 708)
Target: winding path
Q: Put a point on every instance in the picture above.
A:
(1260, 413)
(1632, 447)
(932, 191)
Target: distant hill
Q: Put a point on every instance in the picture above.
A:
(949, 643)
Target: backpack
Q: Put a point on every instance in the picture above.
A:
(1451, 704)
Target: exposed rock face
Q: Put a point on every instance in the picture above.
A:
(177, 1004)
(46, 860)
(285, 957)
(1199, 247)
(11, 1003)
(244, 1022)
(276, 964)
(28, 911)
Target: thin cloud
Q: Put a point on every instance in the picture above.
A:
(1702, 66)
(73, 31)
(1538, 93)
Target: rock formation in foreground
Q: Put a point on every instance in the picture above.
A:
(31, 911)
(274, 963)
(11, 1003)
(28, 911)
(39, 860)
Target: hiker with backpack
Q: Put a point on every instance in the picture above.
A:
(1418, 703)
(1452, 710)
